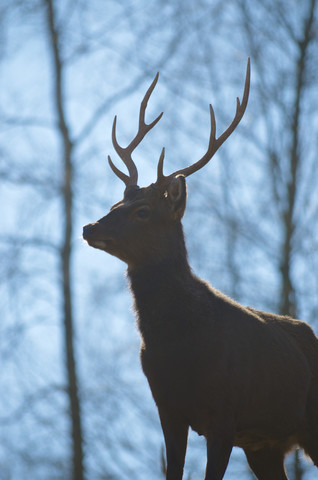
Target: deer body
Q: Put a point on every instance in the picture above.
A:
(195, 363)
(236, 375)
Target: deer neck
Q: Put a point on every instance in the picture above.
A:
(158, 284)
(170, 261)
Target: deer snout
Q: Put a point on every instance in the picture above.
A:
(96, 237)
(88, 230)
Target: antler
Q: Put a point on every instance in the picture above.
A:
(125, 153)
(214, 143)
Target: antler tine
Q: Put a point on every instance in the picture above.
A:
(117, 172)
(215, 143)
(143, 126)
(143, 129)
(160, 165)
(125, 155)
(240, 109)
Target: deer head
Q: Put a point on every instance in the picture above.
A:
(142, 227)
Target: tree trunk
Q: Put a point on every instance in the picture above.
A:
(66, 248)
(288, 294)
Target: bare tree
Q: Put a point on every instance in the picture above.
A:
(66, 247)
(289, 38)
(106, 52)
(270, 231)
(53, 144)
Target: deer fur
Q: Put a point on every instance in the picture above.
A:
(234, 374)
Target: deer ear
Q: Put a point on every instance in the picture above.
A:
(177, 195)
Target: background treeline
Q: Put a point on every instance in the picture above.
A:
(74, 403)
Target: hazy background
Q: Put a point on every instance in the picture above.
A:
(74, 403)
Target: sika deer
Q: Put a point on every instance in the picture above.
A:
(236, 375)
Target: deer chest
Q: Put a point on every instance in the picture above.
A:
(180, 379)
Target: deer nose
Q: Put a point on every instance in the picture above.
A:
(88, 230)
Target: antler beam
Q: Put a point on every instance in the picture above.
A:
(125, 153)
(214, 143)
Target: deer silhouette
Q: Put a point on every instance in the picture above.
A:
(238, 376)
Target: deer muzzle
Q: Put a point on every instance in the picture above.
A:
(95, 237)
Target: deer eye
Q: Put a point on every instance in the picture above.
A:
(142, 213)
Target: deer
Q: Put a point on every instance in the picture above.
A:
(233, 374)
